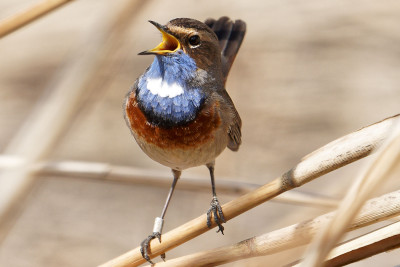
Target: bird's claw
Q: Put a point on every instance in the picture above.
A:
(145, 246)
(216, 210)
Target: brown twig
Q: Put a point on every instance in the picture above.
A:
(328, 158)
(24, 17)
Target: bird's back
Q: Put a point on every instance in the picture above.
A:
(230, 36)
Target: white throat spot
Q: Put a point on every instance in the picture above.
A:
(159, 87)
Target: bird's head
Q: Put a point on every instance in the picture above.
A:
(189, 36)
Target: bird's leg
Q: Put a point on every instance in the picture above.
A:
(158, 223)
(215, 208)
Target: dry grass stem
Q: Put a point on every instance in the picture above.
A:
(55, 110)
(374, 210)
(380, 168)
(24, 17)
(375, 242)
(328, 158)
(125, 174)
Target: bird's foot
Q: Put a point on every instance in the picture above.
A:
(145, 246)
(216, 210)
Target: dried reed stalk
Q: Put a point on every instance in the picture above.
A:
(53, 114)
(362, 247)
(125, 174)
(379, 169)
(24, 17)
(375, 210)
(328, 158)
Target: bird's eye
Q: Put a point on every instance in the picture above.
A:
(194, 40)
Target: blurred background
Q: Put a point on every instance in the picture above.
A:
(308, 72)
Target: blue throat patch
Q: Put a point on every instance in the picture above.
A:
(176, 69)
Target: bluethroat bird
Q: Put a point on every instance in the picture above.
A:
(179, 111)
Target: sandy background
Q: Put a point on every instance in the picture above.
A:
(308, 72)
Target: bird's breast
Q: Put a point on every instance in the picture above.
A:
(168, 104)
(197, 132)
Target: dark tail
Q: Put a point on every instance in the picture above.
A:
(230, 35)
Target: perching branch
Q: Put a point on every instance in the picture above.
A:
(377, 171)
(375, 210)
(326, 159)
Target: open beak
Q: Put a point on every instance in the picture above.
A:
(169, 43)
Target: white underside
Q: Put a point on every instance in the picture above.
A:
(159, 87)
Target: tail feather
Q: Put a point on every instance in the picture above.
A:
(222, 28)
(230, 35)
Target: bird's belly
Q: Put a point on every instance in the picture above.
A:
(196, 143)
(183, 158)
